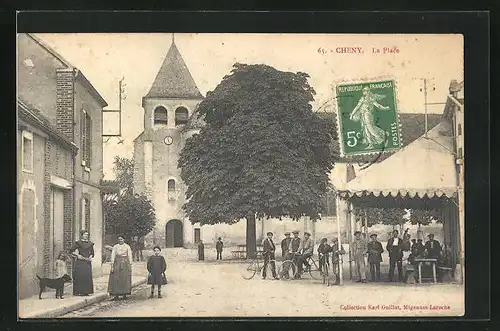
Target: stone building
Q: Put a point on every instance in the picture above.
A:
(60, 160)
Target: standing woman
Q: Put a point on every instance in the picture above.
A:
(120, 278)
(83, 252)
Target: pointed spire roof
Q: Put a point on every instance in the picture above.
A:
(174, 79)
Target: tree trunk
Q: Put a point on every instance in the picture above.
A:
(251, 236)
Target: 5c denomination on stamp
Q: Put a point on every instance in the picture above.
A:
(368, 117)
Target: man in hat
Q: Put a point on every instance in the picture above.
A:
(285, 243)
(218, 247)
(420, 248)
(324, 253)
(292, 251)
(395, 255)
(306, 250)
(359, 249)
(433, 247)
(336, 259)
(374, 256)
(269, 249)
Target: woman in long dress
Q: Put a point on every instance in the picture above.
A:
(363, 113)
(83, 252)
(120, 278)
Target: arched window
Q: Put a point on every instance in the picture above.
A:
(171, 185)
(160, 116)
(181, 115)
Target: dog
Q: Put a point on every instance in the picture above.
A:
(55, 283)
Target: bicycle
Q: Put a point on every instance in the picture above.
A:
(325, 273)
(290, 265)
(255, 266)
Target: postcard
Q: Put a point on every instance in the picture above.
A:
(240, 175)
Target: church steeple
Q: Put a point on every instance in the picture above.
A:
(174, 81)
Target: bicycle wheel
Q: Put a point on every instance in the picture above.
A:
(314, 269)
(287, 270)
(250, 270)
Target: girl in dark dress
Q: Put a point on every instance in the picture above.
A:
(156, 268)
(83, 252)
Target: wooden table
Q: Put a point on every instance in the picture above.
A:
(433, 262)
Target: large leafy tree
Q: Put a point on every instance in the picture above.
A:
(262, 153)
(386, 216)
(126, 212)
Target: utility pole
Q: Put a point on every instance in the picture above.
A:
(425, 80)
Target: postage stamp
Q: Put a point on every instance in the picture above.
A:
(368, 117)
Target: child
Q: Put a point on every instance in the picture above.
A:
(156, 268)
(61, 268)
(323, 252)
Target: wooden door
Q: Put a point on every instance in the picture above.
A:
(57, 223)
(197, 235)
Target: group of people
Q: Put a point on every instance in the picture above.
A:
(120, 277)
(396, 247)
(300, 249)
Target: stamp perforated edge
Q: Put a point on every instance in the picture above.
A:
(336, 110)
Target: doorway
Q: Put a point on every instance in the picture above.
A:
(174, 234)
(197, 236)
(57, 223)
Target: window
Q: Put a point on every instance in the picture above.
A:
(181, 116)
(160, 116)
(85, 220)
(459, 129)
(27, 151)
(86, 134)
(171, 185)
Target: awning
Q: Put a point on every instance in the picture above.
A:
(424, 168)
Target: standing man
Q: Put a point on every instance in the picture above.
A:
(359, 249)
(433, 247)
(140, 247)
(336, 259)
(374, 257)
(135, 248)
(395, 255)
(293, 248)
(306, 249)
(269, 249)
(201, 250)
(285, 243)
(218, 247)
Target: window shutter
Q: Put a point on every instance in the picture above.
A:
(87, 215)
(83, 132)
(89, 141)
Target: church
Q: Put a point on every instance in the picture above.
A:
(168, 121)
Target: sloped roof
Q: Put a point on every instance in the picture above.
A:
(425, 168)
(34, 116)
(412, 127)
(174, 79)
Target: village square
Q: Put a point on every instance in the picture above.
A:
(154, 183)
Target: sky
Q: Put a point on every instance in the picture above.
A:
(105, 58)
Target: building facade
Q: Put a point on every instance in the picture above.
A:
(60, 160)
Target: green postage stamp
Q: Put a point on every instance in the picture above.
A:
(368, 120)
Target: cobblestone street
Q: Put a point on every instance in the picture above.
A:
(208, 289)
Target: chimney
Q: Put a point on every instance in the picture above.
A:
(65, 80)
